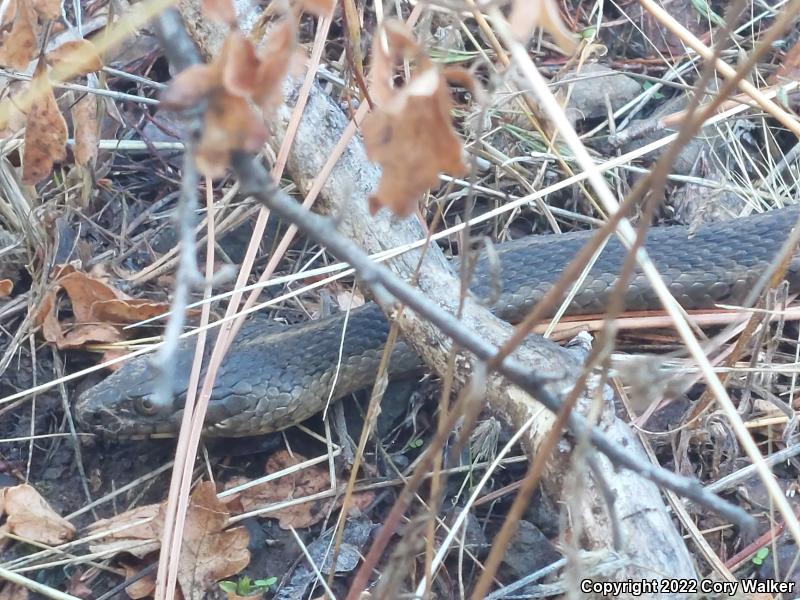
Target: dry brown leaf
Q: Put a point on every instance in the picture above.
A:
(237, 77)
(81, 56)
(137, 531)
(48, 9)
(19, 46)
(6, 287)
(46, 318)
(70, 335)
(321, 8)
(89, 333)
(84, 120)
(141, 588)
(15, 118)
(11, 591)
(210, 552)
(409, 133)
(299, 484)
(46, 130)
(527, 14)
(240, 66)
(190, 85)
(230, 124)
(220, 11)
(98, 309)
(31, 517)
(128, 311)
(62, 270)
(278, 57)
(84, 291)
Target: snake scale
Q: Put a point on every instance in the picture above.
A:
(273, 378)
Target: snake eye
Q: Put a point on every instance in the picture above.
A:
(146, 406)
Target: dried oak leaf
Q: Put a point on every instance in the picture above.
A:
(83, 291)
(278, 57)
(19, 46)
(191, 84)
(6, 287)
(239, 69)
(12, 119)
(237, 81)
(210, 552)
(409, 133)
(80, 57)
(137, 532)
(527, 14)
(31, 517)
(45, 132)
(84, 121)
(297, 484)
(98, 310)
(141, 588)
(127, 311)
(48, 9)
(70, 335)
(230, 125)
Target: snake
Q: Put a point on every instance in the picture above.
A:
(274, 377)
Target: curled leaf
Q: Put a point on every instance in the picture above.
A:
(47, 9)
(19, 46)
(84, 121)
(45, 132)
(190, 85)
(409, 133)
(230, 124)
(31, 517)
(79, 57)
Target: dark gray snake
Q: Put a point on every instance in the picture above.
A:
(275, 378)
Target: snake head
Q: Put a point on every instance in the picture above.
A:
(124, 404)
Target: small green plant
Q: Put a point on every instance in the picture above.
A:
(758, 558)
(704, 9)
(658, 95)
(416, 443)
(246, 586)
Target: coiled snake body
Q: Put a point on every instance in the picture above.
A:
(275, 378)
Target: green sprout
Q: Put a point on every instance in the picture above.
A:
(758, 558)
(246, 586)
